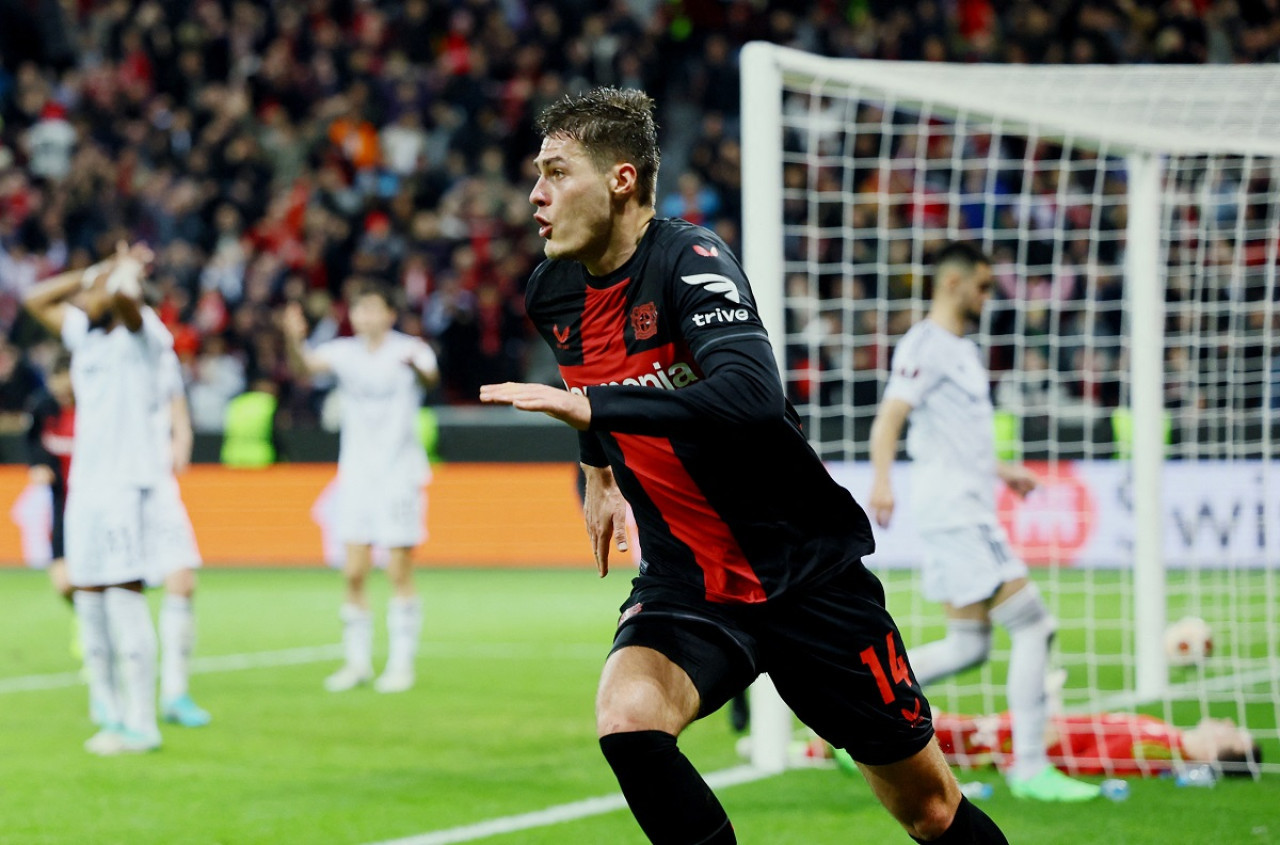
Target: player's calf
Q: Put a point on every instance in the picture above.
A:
(667, 796)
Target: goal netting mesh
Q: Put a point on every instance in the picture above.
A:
(1133, 217)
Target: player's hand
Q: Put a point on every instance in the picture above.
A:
(605, 512)
(565, 406)
(1020, 479)
(294, 323)
(41, 475)
(881, 503)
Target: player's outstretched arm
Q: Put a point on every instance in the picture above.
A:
(886, 430)
(605, 512)
(567, 407)
(424, 366)
(293, 323)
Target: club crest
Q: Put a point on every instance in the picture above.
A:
(644, 321)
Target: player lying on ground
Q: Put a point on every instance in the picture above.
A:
(1125, 744)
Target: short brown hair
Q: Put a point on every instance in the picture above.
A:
(373, 287)
(612, 125)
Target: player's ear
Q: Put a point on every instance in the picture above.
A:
(623, 180)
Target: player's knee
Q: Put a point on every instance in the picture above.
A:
(930, 817)
(636, 706)
(969, 642)
(1024, 614)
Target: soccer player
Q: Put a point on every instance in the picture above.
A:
(941, 383)
(752, 553)
(1103, 743)
(382, 468)
(116, 345)
(171, 549)
(49, 444)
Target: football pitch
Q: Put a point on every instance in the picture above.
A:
(497, 736)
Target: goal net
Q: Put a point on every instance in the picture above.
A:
(1133, 218)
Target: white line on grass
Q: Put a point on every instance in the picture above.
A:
(319, 654)
(562, 813)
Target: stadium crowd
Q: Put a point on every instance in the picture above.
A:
(278, 152)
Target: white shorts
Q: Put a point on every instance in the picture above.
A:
(967, 564)
(168, 541)
(387, 514)
(104, 536)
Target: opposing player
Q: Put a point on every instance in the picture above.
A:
(171, 549)
(752, 553)
(1103, 743)
(382, 469)
(116, 345)
(941, 383)
(49, 443)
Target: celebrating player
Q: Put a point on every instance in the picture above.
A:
(752, 553)
(939, 380)
(116, 345)
(172, 552)
(382, 468)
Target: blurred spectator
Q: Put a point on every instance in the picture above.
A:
(273, 151)
(19, 381)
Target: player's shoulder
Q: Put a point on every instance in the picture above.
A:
(675, 237)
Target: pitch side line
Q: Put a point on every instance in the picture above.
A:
(562, 813)
(319, 654)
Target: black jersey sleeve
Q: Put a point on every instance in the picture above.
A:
(41, 409)
(708, 294)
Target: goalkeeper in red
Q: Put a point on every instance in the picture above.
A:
(752, 553)
(940, 381)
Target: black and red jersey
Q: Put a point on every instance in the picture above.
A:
(50, 437)
(688, 410)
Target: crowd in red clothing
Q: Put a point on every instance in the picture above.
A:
(280, 151)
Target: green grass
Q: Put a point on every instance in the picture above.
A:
(500, 724)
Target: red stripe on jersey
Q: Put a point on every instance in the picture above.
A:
(604, 322)
(726, 574)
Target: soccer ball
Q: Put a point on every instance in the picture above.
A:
(1188, 642)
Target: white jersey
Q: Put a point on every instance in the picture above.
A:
(381, 396)
(169, 386)
(114, 375)
(951, 438)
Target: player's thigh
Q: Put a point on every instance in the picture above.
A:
(168, 540)
(836, 657)
(966, 565)
(642, 689)
(702, 641)
(400, 516)
(104, 537)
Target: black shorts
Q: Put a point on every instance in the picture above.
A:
(831, 649)
(57, 536)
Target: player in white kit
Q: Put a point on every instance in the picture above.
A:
(116, 345)
(940, 381)
(382, 469)
(171, 550)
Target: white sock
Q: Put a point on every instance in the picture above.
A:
(357, 636)
(177, 639)
(134, 639)
(95, 642)
(966, 644)
(1031, 629)
(404, 627)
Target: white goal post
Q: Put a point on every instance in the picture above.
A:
(1133, 216)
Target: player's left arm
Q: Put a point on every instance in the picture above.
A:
(1018, 478)
(710, 299)
(181, 437)
(422, 360)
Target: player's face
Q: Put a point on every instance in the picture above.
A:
(572, 200)
(371, 316)
(975, 290)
